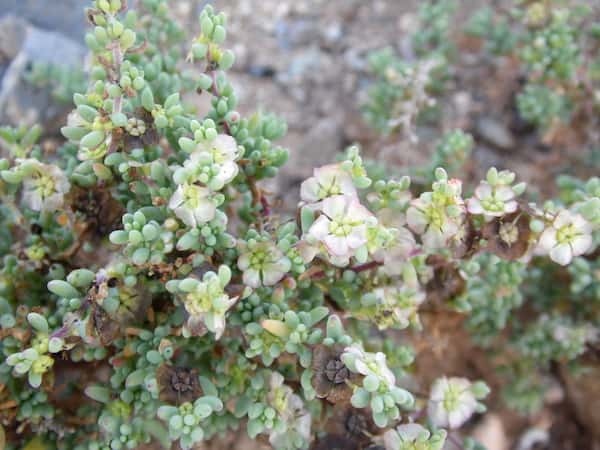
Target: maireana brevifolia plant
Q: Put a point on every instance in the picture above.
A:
(151, 292)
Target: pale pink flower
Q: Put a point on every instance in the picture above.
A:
(568, 236)
(492, 201)
(451, 402)
(327, 181)
(341, 228)
(44, 186)
(263, 264)
(213, 163)
(431, 221)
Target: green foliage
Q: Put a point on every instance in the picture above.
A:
(145, 266)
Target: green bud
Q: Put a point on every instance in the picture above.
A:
(377, 404)
(55, 345)
(154, 357)
(187, 241)
(492, 176)
(119, 237)
(11, 177)
(63, 289)
(307, 217)
(135, 378)
(92, 139)
(371, 383)
(73, 133)
(38, 322)
(222, 107)
(91, 42)
(590, 210)
(199, 50)
(99, 393)
(210, 134)
(147, 99)
(100, 34)
(103, 5)
(139, 83)
(219, 34)
(116, 29)
(172, 100)
(101, 171)
(360, 399)
(135, 237)
(87, 113)
(440, 174)
(227, 60)
(480, 389)
(207, 26)
(150, 232)
(114, 90)
(119, 119)
(176, 422)
(127, 39)
(335, 330)
(537, 226)
(224, 275)
(188, 285)
(187, 145)
(161, 121)
(81, 277)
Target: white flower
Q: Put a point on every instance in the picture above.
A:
(397, 306)
(213, 163)
(451, 402)
(263, 263)
(327, 181)
(342, 228)
(492, 201)
(568, 236)
(209, 303)
(405, 436)
(44, 186)
(290, 409)
(365, 363)
(430, 219)
(193, 204)
(398, 252)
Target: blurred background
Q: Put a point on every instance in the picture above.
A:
(305, 60)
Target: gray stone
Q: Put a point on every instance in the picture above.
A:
(495, 133)
(296, 33)
(65, 16)
(20, 102)
(12, 34)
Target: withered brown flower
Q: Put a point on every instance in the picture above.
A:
(143, 139)
(177, 385)
(446, 283)
(102, 211)
(330, 375)
(102, 325)
(353, 426)
(508, 236)
(335, 442)
(464, 244)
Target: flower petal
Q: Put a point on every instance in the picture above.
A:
(562, 254)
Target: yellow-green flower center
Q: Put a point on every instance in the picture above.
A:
(566, 234)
